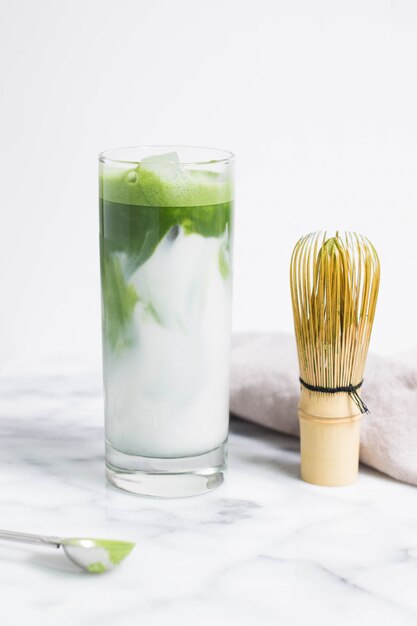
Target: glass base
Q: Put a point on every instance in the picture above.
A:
(166, 478)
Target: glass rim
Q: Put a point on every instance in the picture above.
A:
(229, 157)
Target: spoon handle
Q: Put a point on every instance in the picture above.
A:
(10, 535)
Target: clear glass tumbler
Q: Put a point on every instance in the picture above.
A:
(165, 252)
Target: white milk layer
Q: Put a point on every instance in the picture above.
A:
(168, 395)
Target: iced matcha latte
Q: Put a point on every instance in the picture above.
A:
(165, 246)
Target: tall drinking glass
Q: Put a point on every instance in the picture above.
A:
(165, 251)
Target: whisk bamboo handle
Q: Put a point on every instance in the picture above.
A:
(329, 432)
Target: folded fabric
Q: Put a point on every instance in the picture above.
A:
(265, 390)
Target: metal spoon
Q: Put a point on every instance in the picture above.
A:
(92, 555)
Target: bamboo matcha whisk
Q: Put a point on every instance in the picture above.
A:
(334, 289)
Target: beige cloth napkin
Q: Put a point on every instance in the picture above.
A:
(265, 390)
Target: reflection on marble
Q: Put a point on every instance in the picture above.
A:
(263, 549)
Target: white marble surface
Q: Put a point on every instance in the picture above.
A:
(264, 549)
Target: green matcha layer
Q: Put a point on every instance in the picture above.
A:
(141, 203)
(138, 207)
(162, 182)
(137, 230)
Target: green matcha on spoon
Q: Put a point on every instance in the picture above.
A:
(92, 555)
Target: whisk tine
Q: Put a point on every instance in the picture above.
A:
(334, 289)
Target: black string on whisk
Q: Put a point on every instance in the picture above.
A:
(352, 390)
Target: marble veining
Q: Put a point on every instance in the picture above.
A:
(263, 549)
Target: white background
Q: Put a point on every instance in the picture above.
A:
(317, 99)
